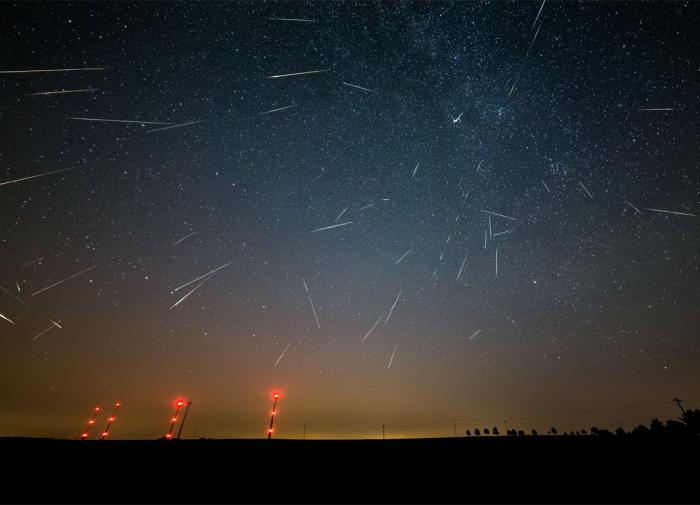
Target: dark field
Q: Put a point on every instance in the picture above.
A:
(495, 469)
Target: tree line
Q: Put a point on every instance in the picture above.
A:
(687, 424)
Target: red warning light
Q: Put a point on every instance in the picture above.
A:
(84, 435)
(118, 404)
(173, 420)
(276, 396)
(111, 419)
(91, 421)
(270, 430)
(104, 433)
(179, 404)
(274, 412)
(169, 436)
(97, 409)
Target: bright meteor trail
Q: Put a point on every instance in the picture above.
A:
(35, 176)
(283, 352)
(62, 92)
(330, 227)
(100, 120)
(85, 69)
(188, 293)
(202, 276)
(64, 280)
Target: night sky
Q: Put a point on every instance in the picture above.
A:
(422, 125)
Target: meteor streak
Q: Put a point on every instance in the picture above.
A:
(34, 177)
(499, 215)
(372, 328)
(341, 214)
(298, 20)
(298, 73)
(282, 355)
(459, 274)
(392, 355)
(632, 205)
(174, 126)
(358, 87)
(185, 238)
(279, 109)
(585, 189)
(502, 232)
(202, 276)
(14, 296)
(64, 280)
(31, 262)
(330, 227)
(47, 329)
(538, 14)
(671, 212)
(116, 120)
(84, 69)
(61, 92)
(392, 307)
(188, 293)
(404, 255)
(313, 309)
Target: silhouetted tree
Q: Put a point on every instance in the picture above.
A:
(657, 427)
(578, 432)
(495, 430)
(620, 431)
(640, 430)
(584, 432)
(691, 418)
(521, 433)
(486, 431)
(477, 432)
(469, 433)
(594, 430)
(553, 430)
(534, 432)
(676, 428)
(512, 433)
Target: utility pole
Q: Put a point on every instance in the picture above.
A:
(680, 405)
(454, 425)
(183, 419)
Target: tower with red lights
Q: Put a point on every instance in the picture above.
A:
(275, 396)
(178, 405)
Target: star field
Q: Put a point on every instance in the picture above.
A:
(508, 208)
